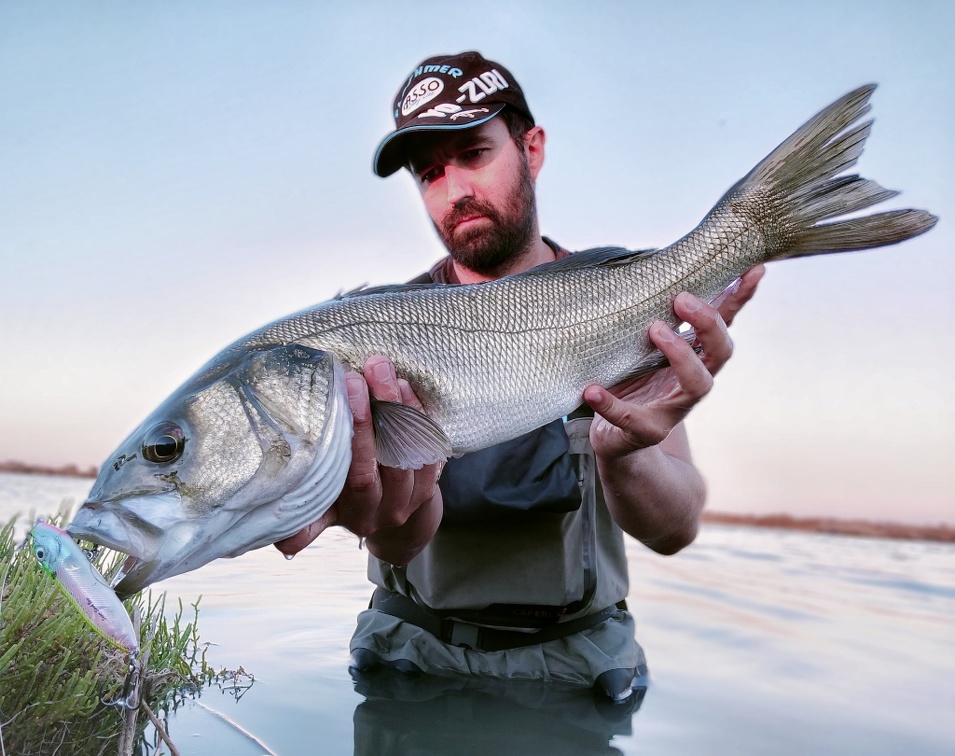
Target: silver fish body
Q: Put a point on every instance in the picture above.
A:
(259, 454)
(59, 555)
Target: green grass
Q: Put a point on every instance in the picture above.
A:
(55, 669)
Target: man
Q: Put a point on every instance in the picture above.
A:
(513, 565)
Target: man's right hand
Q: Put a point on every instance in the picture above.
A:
(396, 511)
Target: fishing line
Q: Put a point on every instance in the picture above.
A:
(237, 727)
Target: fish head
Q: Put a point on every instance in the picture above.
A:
(247, 452)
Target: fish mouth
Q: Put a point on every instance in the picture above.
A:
(130, 527)
(105, 529)
(129, 565)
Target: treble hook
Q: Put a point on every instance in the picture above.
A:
(131, 687)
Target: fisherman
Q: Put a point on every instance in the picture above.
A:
(509, 563)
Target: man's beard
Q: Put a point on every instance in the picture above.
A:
(510, 236)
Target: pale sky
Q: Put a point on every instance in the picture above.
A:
(174, 175)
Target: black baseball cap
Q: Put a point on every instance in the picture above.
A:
(447, 92)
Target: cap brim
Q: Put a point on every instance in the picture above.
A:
(390, 155)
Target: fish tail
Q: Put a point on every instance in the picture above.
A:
(793, 191)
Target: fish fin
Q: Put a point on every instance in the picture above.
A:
(585, 259)
(797, 185)
(406, 437)
(607, 257)
(726, 293)
(342, 293)
(656, 361)
(390, 289)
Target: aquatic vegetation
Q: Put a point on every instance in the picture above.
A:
(56, 671)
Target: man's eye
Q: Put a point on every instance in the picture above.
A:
(429, 175)
(472, 154)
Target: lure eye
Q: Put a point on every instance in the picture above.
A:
(163, 443)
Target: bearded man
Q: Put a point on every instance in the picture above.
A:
(510, 562)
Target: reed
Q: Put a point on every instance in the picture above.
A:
(55, 671)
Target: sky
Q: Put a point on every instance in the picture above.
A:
(174, 175)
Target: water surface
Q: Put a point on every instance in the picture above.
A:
(759, 642)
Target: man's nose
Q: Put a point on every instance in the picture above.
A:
(458, 183)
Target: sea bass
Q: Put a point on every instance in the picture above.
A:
(256, 445)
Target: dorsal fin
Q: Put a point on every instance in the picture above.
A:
(389, 289)
(591, 258)
(588, 258)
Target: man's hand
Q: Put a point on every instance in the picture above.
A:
(641, 413)
(396, 511)
(653, 490)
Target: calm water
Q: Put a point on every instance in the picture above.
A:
(759, 642)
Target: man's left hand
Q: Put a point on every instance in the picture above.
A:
(641, 413)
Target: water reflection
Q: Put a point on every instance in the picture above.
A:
(422, 714)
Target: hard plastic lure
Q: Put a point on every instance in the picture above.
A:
(60, 555)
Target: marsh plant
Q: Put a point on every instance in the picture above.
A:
(56, 672)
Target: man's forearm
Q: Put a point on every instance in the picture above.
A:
(400, 544)
(654, 496)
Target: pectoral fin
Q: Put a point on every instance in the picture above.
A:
(656, 361)
(407, 438)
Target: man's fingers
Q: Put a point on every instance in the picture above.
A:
(294, 544)
(382, 381)
(408, 396)
(606, 404)
(363, 473)
(710, 328)
(693, 376)
(733, 303)
(630, 427)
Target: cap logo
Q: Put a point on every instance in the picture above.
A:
(445, 109)
(481, 86)
(449, 70)
(423, 92)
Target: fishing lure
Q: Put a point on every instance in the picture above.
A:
(59, 554)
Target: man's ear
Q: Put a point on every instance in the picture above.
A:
(534, 149)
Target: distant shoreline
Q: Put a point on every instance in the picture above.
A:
(72, 471)
(898, 530)
(941, 532)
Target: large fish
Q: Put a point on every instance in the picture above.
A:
(257, 444)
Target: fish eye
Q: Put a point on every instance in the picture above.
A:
(164, 443)
(40, 553)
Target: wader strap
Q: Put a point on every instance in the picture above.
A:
(478, 637)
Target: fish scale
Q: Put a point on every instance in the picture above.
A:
(559, 348)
